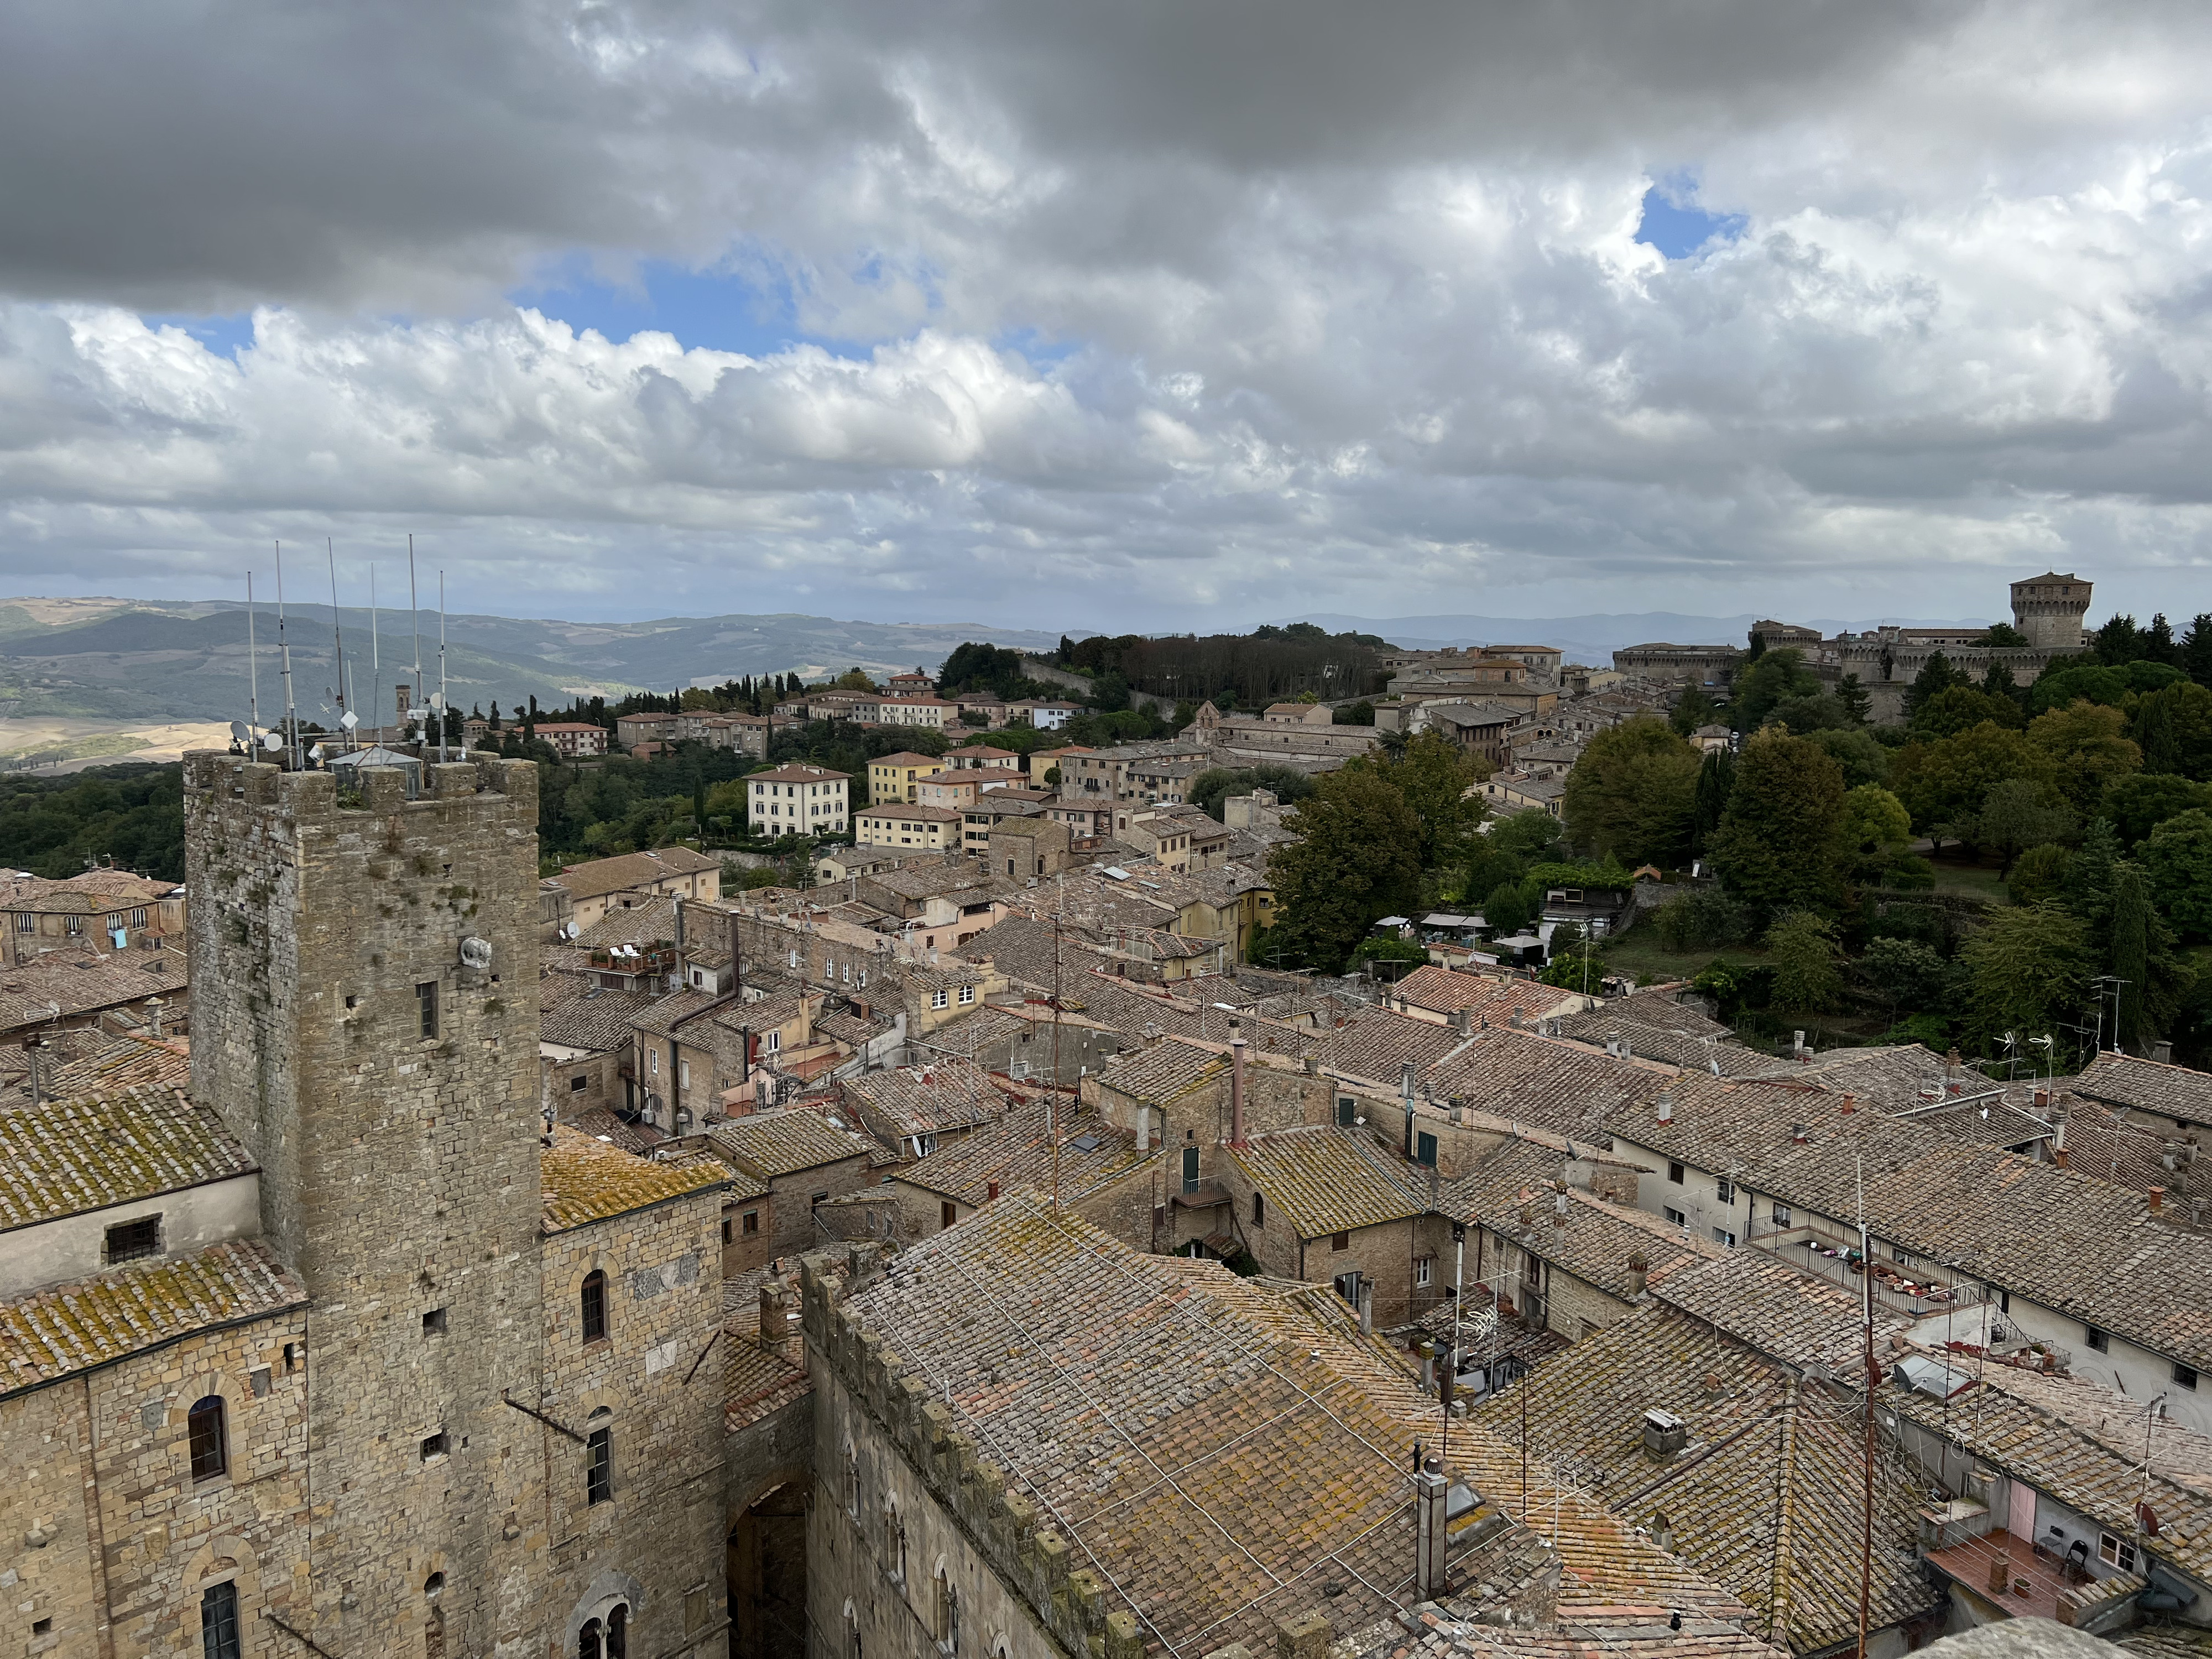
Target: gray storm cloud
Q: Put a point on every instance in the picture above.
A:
(1344, 307)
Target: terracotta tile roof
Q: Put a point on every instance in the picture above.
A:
(1326, 1180)
(1374, 1043)
(587, 1181)
(757, 1382)
(2082, 1469)
(65, 1156)
(66, 1328)
(1594, 1241)
(772, 1144)
(2106, 1143)
(647, 922)
(850, 1029)
(600, 877)
(1545, 1082)
(1990, 1119)
(100, 1064)
(1446, 990)
(2079, 1246)
(1892, 1078)
(1163, 1072)
(1764, 1500)
(2149, 1085)
(1163, 1413)
(923, 1100)
(1016, 1154)
(590, 1017)
(82, 979)
(1766, 1304)
(1452, 1629)
(661, 1016)
(602, 1124)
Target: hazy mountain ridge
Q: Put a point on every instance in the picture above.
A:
(1590, 639)
(126, 659)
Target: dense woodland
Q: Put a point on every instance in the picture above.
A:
(1243, 671)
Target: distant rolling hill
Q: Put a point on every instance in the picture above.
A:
(1591, 639)
(126, 661)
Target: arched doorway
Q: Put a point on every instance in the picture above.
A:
(768, 1575)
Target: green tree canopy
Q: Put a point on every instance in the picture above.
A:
(1441, 783)
(2140, 802)
(2177, 860)
(1357, 859)
(2087, 749)
(1709, 803)
(1776, 677)
(1632, 795)
(2096, 682)
(1942, 782)
(2003, 636)
(1777, 843)
(2028, 972)
(2172, 726)
(1862, 758)
(1808, 964)
(1910, 977)
(1692, 709)
(2041, 875)
(1936, 676)
(2018, 814)
(1217, 783)
(1956, 708)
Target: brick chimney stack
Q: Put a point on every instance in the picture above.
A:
(1639, 1273)
(1431, 1487)
(2157, 1196)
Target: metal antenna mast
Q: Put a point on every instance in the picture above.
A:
(415, 612)
(252, 665)
(337, 633)
(375, 660)
(444, 709)
(284, 654)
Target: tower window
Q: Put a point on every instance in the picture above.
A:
(219, 1621)
(210, 1446)
(434, 1322)
(426, 1003)
(595, 1306)
(600, 1465)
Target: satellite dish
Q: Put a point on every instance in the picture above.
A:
(570, 930)
(238, 732)
(349, 719)
(437, 700)
(272, 740)
(316, 753)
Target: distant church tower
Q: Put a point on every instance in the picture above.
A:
(2049, 609)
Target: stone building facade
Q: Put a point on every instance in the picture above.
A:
(427, 1397)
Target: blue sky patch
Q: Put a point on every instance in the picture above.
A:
(1675, 223)
(223, 336)
(721, 312)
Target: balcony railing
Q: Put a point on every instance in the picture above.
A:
(1897, 1289)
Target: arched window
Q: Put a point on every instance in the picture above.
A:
(595, 1306)
(852, 1483)
(211, 1445)
(948, 1612)
(599, 1458)
(588, 1645)
(852, 1632)
(1259, 1209)
(618, 1634)
(219, 1621)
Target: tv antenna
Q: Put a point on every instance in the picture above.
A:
(415, 611)
(337, 633)
(252, 672)
(284, 655)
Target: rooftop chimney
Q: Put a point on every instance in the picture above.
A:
(1798, 1134)
(1236, 1092)
(1849, 1104)
(2157, 1196)
(1666, 1109)
(1430, 1487)
(1639, 1273)
(1664, 1434)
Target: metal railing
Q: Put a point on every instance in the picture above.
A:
(1836, 1259)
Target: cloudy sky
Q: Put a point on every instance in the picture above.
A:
(1165, 312)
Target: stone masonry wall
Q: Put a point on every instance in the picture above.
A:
(657, 1543)
(400, 1171)
(107, 1540)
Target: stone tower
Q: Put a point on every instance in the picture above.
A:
(365, 1020)
(2049, 609)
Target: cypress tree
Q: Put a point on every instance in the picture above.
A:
(2130, 951)
(1716, 778)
